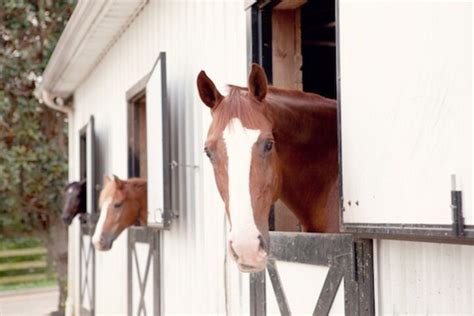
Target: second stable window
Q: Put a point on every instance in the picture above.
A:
(137, 151)
(147, 99)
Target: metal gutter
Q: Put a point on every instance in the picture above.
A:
(53, 102)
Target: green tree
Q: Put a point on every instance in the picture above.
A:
(33, 138)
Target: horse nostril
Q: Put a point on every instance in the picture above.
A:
(232, 251)
(263, 244)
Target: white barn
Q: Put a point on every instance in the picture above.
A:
(125, 73)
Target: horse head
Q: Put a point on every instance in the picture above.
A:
(241, 147)
(75, 197)
(122, 204)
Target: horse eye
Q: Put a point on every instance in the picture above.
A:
(118, 205)
(267, 147)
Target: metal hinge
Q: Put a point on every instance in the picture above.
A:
(456, 207)
(168, 217)
(174, 164)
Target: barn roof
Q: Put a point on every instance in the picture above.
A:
(92, 30)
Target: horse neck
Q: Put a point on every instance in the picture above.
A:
(139, 194)
(83, 201)
(143, 216)
(305, 131)
(303, 123)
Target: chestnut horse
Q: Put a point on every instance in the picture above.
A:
(122, 203)
(75, 201)
(266, 144)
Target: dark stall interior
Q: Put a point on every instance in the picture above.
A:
(318, 46)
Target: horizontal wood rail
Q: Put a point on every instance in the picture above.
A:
(24, 265)
(22, 252)
(31, 260)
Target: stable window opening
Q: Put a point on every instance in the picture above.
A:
(295, 42)
(137, 145)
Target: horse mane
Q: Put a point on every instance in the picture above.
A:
(136, 183)
(298, 108)
(293, 97)
(237, 104)
(108, 188)
(299, 98)
(70, 185)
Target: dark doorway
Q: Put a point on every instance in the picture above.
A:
(137, 160)
(318, 46)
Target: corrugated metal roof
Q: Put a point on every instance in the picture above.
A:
(92, 30)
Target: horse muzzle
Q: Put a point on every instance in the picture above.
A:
(103, 243)
(67, 219)
(250, 254)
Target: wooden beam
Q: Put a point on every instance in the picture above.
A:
(24, 265)
(22, 252)
(286, 45)
(290, 4)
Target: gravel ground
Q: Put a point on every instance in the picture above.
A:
(34, 302)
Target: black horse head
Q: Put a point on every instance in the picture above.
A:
(75, 199)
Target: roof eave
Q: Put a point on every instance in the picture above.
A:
(61, 76)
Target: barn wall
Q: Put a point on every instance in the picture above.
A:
(416, 278)
(195, 35)
(406, 108)
(399, 154)
(411, 277)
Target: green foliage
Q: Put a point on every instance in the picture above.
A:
(28, 285)
(33, 140)
(19, 242)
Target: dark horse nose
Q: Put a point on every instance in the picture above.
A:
(66, 219)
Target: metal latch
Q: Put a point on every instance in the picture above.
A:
(456, 207)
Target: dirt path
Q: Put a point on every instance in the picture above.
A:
(37, 302)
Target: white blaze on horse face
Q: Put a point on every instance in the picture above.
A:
(244, 235)
(100, 224)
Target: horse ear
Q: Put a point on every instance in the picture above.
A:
(67, 186)
(106, 180)
(83, 182)
(207, 90)
(258, 84)
(118, 182)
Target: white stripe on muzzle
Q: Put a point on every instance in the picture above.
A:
(100, 224)
(244, 233)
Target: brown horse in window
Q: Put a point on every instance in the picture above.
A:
(267, 144)
(122, 203)
(75, 200)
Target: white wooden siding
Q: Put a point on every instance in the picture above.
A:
(406, 98)
(302, 285)
(415, 278)
(406, 109)
(196, 35)
(142, 252)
